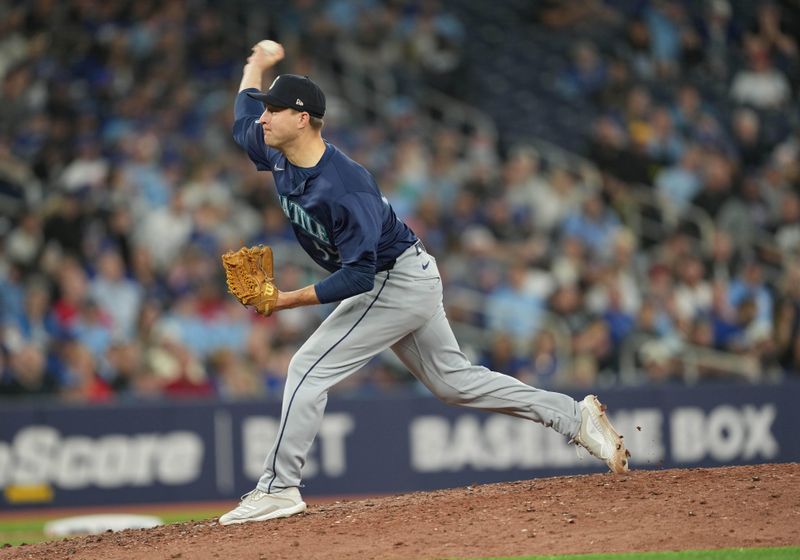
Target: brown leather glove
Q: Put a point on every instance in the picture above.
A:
(248, 273)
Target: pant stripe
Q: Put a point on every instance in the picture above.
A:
(328, 351)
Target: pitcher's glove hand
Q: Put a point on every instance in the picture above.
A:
(248, 273)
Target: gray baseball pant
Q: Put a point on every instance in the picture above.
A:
(404, 312)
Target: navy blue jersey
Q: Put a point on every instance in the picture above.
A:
(337, 211)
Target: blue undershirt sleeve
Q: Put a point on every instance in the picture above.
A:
(357, 231)
(346, 282)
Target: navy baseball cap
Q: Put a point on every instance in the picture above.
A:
(294, 92)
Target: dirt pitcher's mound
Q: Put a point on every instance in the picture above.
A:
(748, 506)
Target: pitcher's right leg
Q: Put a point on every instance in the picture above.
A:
(432, 354)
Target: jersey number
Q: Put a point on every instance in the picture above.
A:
(328, 253)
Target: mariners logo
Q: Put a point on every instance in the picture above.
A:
(303, 220)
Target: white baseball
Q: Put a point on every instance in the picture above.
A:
(270, 47)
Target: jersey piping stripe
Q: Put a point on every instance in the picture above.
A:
(294, 393)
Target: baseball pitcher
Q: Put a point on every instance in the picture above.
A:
(388, 286)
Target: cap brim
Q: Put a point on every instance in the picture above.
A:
(267, 99)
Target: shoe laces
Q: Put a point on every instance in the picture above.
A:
(578, 446)
(254, 494)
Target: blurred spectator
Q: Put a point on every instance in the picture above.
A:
(165, 231)
(118, 296)
(122, 366)
(748, 138)
(587, 75)
(584, 373)
(636, 116)
(693, 293)
(723, 316)
(616, 279)
(507, 227)
(180, 373)
(516, 306)
(18, 185)
(665, 21)
(787, 228)
(66, 226)
(205, 187)
(21, 95)
(617, 154)
(774, 185)
(27, 373)
(652, 322)
(636, 49)
(688, 109)
(89, 170)
(553, 199)
(761, 84)
(435, 46)
(659, 362)
(233, 378)
(72, 291)
(142, 171)
(12, 295)
(717, 177)
(772, 26)
(593, 223)
(559, 14)
(25, 242)
(749, 336)
(617, 84)
(664, 144)
(724, 260)
(502, 356)
(544, 368)
(36, 324)
(751, 285)
(92, 327)
(448, 169)
(82, 379)
(618, 320)
(590, 336)
(787, 322)
(719, 36)
(522, 183)
(118, 228)
(678, 184)
(570, 262)
(745, 214)
(429, 224)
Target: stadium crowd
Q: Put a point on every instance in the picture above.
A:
(675, 236)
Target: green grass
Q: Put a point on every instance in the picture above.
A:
(18, 532)
(791, 553)
(32, 530)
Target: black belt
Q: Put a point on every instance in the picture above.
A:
(419, 246)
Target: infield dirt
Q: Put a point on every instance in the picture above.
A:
(750, 506)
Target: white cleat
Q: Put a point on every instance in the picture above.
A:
(260, 506)
(599, 437)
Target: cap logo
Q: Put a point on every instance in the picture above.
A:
(299, 102)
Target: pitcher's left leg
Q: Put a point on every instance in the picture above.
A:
(357, 330)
